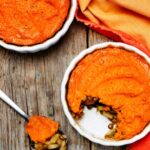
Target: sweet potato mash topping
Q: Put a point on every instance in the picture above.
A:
(121, 81)
(28, 22)
(41, 128)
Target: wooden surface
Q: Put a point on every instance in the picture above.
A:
(33, 82)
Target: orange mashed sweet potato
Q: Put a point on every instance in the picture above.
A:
(121, 80)
(41, 128)
(28, 22)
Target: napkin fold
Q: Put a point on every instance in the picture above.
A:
(127, 20)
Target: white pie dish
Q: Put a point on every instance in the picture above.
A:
(49, 42)
(86, 126)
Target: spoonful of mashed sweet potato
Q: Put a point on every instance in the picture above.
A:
(43, 131)
(41, 128)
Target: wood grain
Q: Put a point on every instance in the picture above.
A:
(33, 81)
(12, 134)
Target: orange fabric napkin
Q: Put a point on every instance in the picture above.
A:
(121, 20)
(143, 144)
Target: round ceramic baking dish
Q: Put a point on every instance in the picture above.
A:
(86, 125)
(49, 42)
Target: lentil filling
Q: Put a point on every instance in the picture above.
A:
(57, 142)
(94, 102)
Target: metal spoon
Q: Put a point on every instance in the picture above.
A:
(7, 100)
(10, 102)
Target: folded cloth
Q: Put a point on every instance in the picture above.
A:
(143, 144)
(127, 20)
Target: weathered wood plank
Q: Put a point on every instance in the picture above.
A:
(56, 61)
(95, 38)
(33, 81)
(12, 134)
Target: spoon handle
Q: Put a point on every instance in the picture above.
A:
(7, 100)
